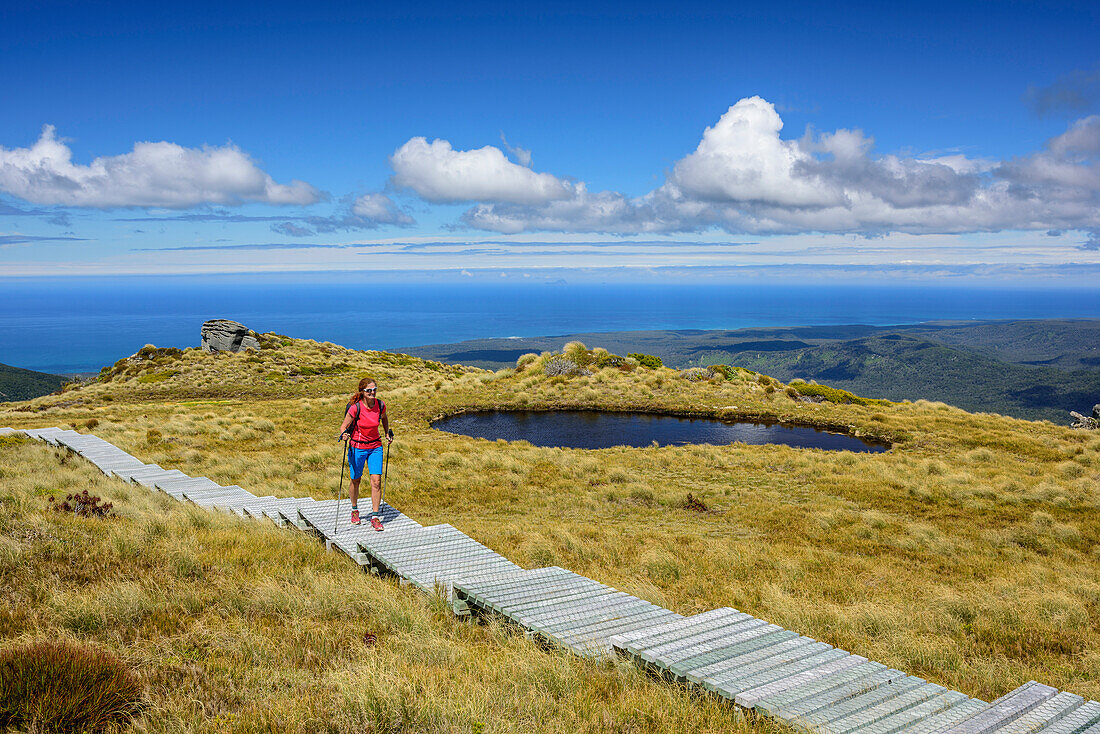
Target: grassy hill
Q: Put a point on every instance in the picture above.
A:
(1027, 369)
(968, 555)
(17, 383)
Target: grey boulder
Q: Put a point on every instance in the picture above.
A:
(223, 335)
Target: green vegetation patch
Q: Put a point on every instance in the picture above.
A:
(151, 377)
(833, 395)
(647, 360)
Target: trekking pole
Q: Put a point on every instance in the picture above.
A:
(340, 492)
(385, 470)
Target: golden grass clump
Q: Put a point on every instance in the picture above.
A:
(64, 686)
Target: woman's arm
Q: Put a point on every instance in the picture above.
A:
(346, 424)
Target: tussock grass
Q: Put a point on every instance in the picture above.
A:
(62, 686)
(967, 555)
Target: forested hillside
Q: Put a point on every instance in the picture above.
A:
(17, 383)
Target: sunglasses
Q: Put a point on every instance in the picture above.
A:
(370, 389)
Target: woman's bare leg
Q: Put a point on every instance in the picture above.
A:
(375, 491)
(353, 490)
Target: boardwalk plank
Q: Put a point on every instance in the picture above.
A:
(859, 704)
(1005, 709)
(952, 716)
(772, 704)
(686, 628)
(798, 710)
(621, 642)
(798, 681)
(704, 642)
(1045, 714)
(920, 712)
(1077, 722)
(752, 637)
(768, 671)
(876, 713)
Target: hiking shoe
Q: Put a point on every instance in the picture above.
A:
(376, 523)
(355, 517)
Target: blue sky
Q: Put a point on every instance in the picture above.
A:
(203, 137)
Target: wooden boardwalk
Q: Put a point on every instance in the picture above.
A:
(762, 667)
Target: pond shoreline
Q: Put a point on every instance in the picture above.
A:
(723, 413)
(599, 429)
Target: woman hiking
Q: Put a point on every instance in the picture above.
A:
(364, 413)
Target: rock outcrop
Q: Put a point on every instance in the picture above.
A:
(223, 335)
(1084, 421)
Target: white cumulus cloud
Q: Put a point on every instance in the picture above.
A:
(152, 175)
(742, 158)
(440, 174)
(743, 177)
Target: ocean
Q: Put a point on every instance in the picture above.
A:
(70, 325)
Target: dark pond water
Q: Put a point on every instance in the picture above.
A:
(592, 430)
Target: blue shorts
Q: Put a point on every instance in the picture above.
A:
(358, 457)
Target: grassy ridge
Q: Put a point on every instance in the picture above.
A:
(969, 555)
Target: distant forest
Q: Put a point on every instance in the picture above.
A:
(1032, 369)
(17, 383)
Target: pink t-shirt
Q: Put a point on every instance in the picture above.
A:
(364, 432)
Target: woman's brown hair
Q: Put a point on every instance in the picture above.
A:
(358, 394)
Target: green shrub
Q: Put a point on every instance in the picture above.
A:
(695, 374)
(647, 360)
(157, 376)
(724, 370)
(577, 353)
(12, 440)
(605, 358)
(525, 360)
(65, 687)
(151, 352)
(835, 395)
